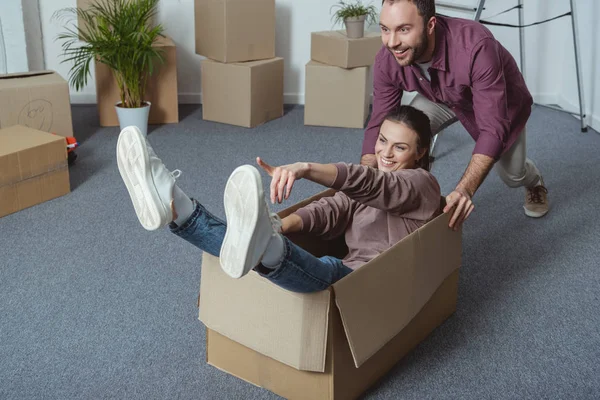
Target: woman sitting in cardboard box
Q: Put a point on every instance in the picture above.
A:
(373, 208)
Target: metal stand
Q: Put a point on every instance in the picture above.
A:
(476, 15)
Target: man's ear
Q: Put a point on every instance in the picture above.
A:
(431, 25)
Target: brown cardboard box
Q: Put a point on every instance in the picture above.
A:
(336, 96)
(33, 168)
(39, 100)
(235, 30)
(335, 48)
(245, 94)
(336, 343)
(161, 90)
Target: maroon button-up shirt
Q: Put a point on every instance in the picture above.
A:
(472, 73)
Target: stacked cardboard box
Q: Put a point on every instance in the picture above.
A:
(161, 88)
(39, 100)
(242, 80)
(33, 168)
(338, 79)
(336, 343)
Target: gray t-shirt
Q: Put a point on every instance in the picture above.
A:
(425, 68)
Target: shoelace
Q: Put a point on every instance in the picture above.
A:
(276, 222)
(176, 173)
(535, 194)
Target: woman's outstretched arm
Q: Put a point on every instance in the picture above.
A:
(284, 176)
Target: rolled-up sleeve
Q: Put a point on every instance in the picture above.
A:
(386, 95)
(490, 104)
(327, 217)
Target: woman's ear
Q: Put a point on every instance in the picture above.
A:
(422, 153)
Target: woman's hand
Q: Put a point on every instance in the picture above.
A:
(283, 178)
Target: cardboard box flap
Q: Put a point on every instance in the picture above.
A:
(341, 35)
(26, 153)
(17, 137)
(16, 75)
(164, 41)
(257, 63)
(288, 327)
(395, 286)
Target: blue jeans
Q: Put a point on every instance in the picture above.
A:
(299, 270)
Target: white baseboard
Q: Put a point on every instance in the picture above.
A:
(83, 98)
(545, 98)
(292, 98)
(183, 98)
(298, 98)
(196, 98)
(592, 120)
(560, 100)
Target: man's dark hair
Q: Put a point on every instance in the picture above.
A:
(419, 122)
(426, 8)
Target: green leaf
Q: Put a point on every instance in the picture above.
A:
(116, 33)
(348, 9)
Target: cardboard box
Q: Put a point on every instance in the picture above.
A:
(245, 94)
(161, 89)
(33, 168)
(39, 100)
(235, 30)
(335, 48)
(336, 343)
(336, 96)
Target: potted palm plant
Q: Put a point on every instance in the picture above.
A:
(354, 14)
(120, 34)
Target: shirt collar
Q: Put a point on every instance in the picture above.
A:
(439, 59)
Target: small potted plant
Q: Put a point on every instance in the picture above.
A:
(354, 14)
(117, 33)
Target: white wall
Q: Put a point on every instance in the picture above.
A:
(549, 67)
(589, 39)
(295, 21)
(13, 34)
(20, 36)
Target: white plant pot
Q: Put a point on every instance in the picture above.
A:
(355, 27)
(134, 117)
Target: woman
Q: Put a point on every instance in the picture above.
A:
(373, 208)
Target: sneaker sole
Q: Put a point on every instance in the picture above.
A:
(534, 214)
(242, 197)
(134, 167)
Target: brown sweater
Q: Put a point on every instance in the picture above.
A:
(374, 209)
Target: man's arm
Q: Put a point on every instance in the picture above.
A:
(491, 114)
(460, 198)
(490, 105)
(386, 96)
(475, 173)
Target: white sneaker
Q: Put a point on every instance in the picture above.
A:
(148, 181)
(250, 226)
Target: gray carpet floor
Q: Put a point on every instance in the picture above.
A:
(92, 306)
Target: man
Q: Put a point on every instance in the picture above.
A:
(461, 72)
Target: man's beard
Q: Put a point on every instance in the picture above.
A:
(416, 52)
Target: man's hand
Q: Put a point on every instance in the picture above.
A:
(283, 178)
(460, 201)
(460, 198)
(369, 160)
